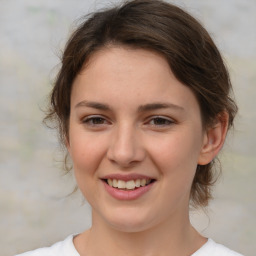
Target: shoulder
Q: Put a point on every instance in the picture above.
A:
(62, 248)
(214, 249)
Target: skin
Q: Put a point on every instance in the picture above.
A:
(121, 134)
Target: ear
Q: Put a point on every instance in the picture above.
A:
(214, 139)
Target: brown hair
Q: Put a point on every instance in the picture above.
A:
(168, 30)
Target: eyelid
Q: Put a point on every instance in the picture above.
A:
(165, 118)
(87, 119)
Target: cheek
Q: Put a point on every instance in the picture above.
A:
(180, 149)
(87, 153)
(85, 157)
(176, 158)
(176, 165)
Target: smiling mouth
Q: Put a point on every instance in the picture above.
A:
(128, 185)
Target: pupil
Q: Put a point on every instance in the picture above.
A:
(98, 121)
(159, 121)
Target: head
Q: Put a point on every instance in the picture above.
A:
(170, 32)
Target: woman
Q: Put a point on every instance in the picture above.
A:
(143, 106)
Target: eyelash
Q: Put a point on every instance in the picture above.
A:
(90, 120)
(158, 121)
(163, 121)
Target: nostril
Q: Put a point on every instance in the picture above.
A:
(126, 150)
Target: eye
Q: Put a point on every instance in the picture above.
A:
(160, 121)
(95, 121)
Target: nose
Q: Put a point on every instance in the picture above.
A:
(126, 147)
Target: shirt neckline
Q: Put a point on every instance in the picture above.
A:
(70, 240)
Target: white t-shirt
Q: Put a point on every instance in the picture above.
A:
(67, 248)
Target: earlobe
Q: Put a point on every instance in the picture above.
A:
(214, 139)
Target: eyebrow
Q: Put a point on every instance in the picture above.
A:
(160, 105)
(92, 104)
(142, 108)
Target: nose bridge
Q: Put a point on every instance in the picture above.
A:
(125, 147)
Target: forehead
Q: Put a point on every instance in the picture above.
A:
(119, 56)
(118, 74)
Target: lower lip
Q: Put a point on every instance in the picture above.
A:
(127, 194)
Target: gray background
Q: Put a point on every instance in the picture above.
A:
(35, 209)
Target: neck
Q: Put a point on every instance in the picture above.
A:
(173, 237)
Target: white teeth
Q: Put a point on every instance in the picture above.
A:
(110, 182)
(114, 183)
(137, 183)
(121, 184)
(131, 184)
(143, 182)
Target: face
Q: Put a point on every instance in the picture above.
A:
(135, 138)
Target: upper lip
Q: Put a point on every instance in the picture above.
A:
(127, 177)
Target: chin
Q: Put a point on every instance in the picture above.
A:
(130, 221)
(129, 227)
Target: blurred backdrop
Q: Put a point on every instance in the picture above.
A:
(35, 209)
